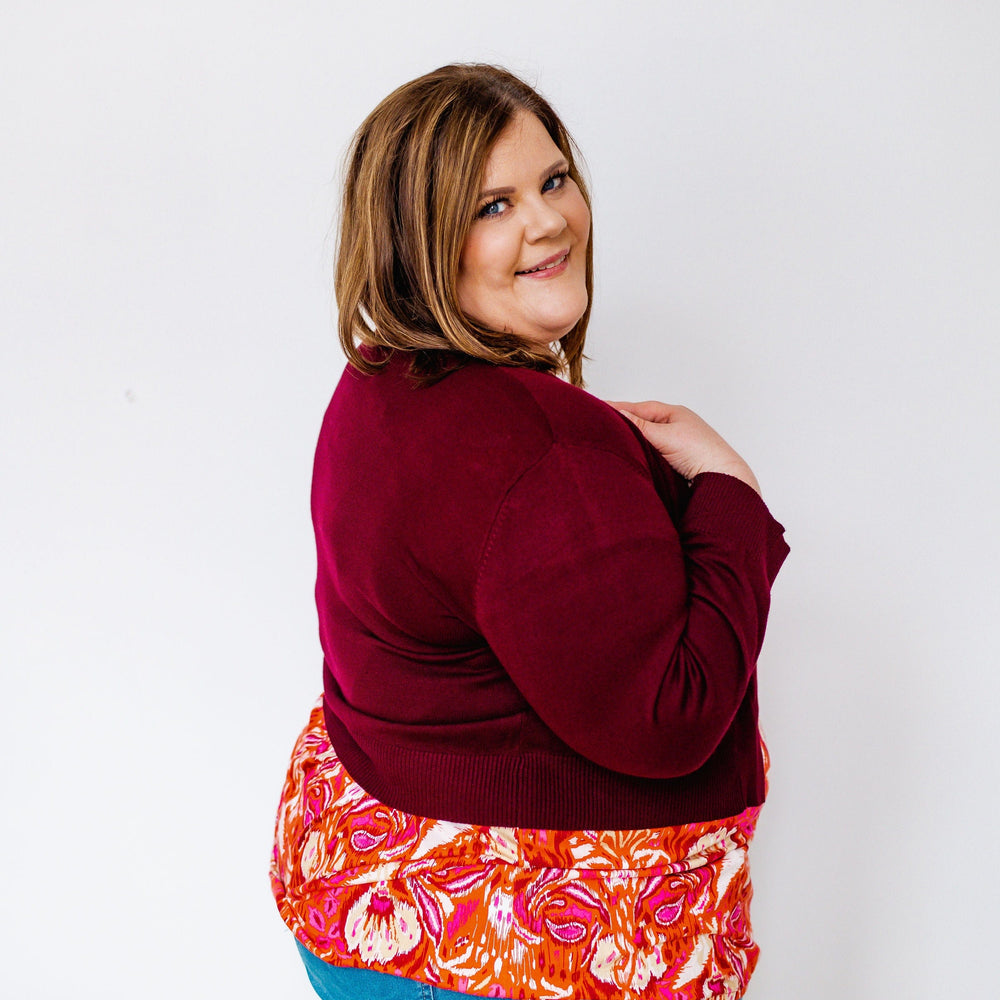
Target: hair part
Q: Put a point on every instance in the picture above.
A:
(414, 170)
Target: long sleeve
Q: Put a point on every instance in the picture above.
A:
(633, 639)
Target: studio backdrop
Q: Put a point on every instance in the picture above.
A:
(796, 219)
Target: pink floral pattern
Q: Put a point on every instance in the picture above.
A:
(510, 912)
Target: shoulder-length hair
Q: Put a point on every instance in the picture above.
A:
(414, 171)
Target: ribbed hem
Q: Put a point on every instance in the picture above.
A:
(549, 791)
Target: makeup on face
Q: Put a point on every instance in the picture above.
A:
(523, 266)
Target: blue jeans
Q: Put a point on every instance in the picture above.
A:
(332, 982)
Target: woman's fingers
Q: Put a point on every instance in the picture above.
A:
(687, 443)
(651, 409)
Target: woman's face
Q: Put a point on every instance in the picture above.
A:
(523, 266)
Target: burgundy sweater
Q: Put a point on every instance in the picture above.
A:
(527, 618)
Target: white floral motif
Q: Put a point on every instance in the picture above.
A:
(718, 841)
(719, 988)
(693, 967)
(626, 968)
(731, 864)
(501, 913)
(313, 854)
(380, 927)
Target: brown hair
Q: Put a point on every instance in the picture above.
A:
(414, 171)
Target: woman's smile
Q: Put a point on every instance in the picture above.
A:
(548, 268)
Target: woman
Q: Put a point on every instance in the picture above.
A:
(536, 768)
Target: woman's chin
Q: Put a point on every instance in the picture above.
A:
(553, 329)
(544, 338)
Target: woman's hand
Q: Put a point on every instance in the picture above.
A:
(687, 443)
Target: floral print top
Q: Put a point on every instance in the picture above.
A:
(510, 912)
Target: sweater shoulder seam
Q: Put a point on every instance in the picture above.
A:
(497, 518)
(502, 505)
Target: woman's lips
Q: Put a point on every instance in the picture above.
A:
(549, 267)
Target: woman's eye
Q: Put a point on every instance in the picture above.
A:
(555, 182)
(493, 209)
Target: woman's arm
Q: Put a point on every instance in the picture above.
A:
(632, 639)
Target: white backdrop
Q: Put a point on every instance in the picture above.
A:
(797, 221)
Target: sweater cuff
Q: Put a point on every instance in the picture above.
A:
(717, 496)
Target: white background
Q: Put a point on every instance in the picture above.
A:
(797, 221)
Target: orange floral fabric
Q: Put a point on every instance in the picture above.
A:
(510, 912)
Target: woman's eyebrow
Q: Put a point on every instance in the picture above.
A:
(497, 192)
(494, 192)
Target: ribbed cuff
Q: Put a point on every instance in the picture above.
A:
(738, 511)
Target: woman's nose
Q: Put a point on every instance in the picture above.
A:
(543, 221)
